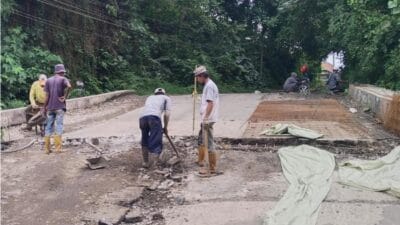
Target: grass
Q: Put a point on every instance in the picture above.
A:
(12, 104)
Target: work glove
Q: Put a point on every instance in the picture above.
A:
(34, 106)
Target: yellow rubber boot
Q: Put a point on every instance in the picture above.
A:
(202, 155)
(47, 145)
(213, 162)
(58, 143)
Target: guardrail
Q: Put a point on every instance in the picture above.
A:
(12, 117)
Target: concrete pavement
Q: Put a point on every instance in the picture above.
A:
(253, 183)
(235, 110)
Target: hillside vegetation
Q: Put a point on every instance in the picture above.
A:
(142, 44)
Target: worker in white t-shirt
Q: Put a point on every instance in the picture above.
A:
(209, 116)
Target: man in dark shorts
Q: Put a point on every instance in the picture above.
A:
(57, 89)
(156, 107)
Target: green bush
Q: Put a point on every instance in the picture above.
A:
(21, 64)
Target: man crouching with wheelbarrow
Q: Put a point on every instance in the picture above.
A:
(34, 112)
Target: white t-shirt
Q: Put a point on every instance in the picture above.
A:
(210, 93)
(156, 104)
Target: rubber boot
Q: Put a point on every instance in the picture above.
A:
(213, 162)
(145, 153)
(202, 155)
(58, 143)
(47, 145)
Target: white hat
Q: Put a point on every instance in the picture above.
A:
(199, 70)
(159, 90)
(42, 77)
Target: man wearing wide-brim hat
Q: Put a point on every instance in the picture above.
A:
(57, 89)
(209, 108)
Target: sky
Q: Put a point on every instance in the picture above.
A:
(336, 59)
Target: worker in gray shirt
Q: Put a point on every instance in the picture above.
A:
(156, 107)
(291, 83)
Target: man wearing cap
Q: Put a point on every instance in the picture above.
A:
(155, 107)
(209, 116)
(57, 89)
(37, 97)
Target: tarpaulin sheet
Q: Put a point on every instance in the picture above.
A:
(292, 130)
(309, 171)
(382, 174)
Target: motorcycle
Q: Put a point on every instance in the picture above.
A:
(304, 86)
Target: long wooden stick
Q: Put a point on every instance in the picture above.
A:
(194, 104)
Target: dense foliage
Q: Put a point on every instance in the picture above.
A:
(246, 44)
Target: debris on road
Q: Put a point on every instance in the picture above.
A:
(96, 163)
(172, 161)
(165, 185)
(353, 110)
(134, 216)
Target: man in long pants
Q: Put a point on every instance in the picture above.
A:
(209, 115)
(57, 89)
(151, 125)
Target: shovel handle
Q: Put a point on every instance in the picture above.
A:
(172, 145)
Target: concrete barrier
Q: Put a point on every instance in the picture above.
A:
(375, 98)
(14, 117)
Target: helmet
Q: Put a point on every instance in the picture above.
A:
(304, 68)
(159, 90)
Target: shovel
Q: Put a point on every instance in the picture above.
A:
(173, 146)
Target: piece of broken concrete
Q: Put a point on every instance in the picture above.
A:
(103, 222)
(154, 185)
(172, 161)
(157, 216)
(163, 172)
(134, 216)
(126, 196)
(353, 110)
(176, 178)
(107, 214)
(180, 200)
(95, 163)
(165, 185)
(187, 144)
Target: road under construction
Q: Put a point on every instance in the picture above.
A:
(52, 189)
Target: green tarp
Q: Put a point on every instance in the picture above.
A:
(308, 171)
(382, 174)
(292, 130)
